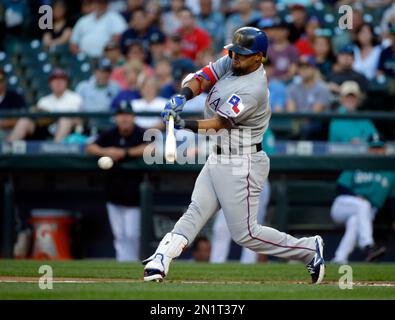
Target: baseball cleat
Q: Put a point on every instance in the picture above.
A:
(374, 253)
(153, 275)
(316, 267)
(154, 269)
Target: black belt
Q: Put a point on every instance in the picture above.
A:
(254, 148)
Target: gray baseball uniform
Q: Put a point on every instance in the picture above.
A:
(233, 182)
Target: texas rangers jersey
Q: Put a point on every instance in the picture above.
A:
(375, 186)
(243, 100)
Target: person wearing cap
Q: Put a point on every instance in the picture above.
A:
(157, 48)
(124, 141)
(360, 194)
(353, 131)
(61, 99)
(282, 53)
(311, 94)
(343, 71)
(98, 91)
(93, 31)
(10, 100)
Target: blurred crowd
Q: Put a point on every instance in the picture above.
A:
(139, 51)
(128, 56)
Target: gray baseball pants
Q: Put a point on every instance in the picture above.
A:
(234, 183)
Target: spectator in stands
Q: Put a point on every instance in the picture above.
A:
(93, 31)
(113, 53)
(213, 22)
(98, 92)
(193, 38)
(135, 53)
(244, 15)
(15, 13)
(268, 18)
(165, 78)
(171, 20)
(60, 35)
(139, 30)
(201, 248)
(387, 58)
(157, 48)
(343, 71)
(305, 43)
(360, 195)
(348, 36)
(134, 77)
(9, 101)
(366, 52)
(276, 88)
(132, 6)
(154, 13)
(311, 94)
(388, 19)
(60, 100)
(180, 64)
(323, 52)
(150, 102)
(267, 9)
(354, 131)
(87, 7)
(125, 141)
(297, 26)
(282, 53)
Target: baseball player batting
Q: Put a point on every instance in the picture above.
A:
(237, 100)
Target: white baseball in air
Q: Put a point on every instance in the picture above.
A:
(105, 163)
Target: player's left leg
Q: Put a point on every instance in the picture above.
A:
(204, 204)
(240, 205)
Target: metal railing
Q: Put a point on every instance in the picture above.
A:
(379, 115)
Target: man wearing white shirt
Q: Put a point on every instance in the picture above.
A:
(60, 100)
(93, 31)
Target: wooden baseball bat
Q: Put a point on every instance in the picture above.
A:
(171, 145)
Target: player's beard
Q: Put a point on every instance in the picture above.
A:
(237, 70)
